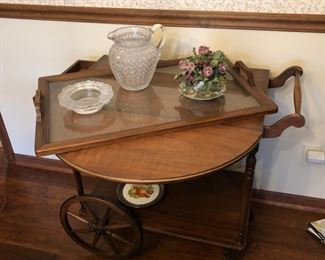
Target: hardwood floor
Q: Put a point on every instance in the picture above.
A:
(30, 227)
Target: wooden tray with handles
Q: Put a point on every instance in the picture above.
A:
(158, 108)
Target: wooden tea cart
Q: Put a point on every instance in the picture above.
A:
(203, 202)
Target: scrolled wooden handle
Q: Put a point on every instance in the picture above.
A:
(297, 96)
(296, 119)
(241, 66)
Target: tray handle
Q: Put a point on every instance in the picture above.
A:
(296, 119)
(37, 99)
(240, 66)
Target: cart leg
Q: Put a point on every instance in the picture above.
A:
(80, 187)
(245, 211)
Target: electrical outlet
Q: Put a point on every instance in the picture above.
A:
(316, 156)
(313, 156)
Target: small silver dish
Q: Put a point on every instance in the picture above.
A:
(85, 97)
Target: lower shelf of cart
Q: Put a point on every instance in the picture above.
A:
(205, 210)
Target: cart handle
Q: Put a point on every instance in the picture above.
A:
(38, 105)
(240, 66)
(296, 119)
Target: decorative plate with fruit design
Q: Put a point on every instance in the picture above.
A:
(140, 195)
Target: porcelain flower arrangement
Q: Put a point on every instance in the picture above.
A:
(203, 74)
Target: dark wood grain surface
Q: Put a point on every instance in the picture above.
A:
(30, 227)
(168, 157)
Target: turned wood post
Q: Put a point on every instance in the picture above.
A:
(247, 194)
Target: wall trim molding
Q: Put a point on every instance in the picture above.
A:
(178, 18)
(278, 199)
(41, 163)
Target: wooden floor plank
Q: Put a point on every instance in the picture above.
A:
(8, 251)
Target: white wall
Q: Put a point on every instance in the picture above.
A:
(30, 49)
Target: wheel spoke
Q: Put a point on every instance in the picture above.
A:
(119, 238)
(111, 244)
(78, 217)
(118, 226)
(90, 213)
(107, 216)
(99, 225)
(96, 238)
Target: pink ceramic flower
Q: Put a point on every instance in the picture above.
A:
(190, 67)
(205, 64)
(203, 50)
(189, 79)
(222, 69)
(207, 71)
(183, 64)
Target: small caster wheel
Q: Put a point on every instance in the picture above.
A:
(101, 227)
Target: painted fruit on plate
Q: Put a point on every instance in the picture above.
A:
(141, 191)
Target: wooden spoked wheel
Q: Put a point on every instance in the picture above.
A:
(101, 226)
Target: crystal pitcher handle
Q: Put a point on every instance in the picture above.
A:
(163, 37)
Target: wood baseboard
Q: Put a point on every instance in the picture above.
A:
(41, 163)
(291, 201)
(279, 199)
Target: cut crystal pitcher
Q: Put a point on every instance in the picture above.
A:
(133, 57)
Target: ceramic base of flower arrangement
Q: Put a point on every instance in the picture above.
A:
(140, 195)
(192, 93)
